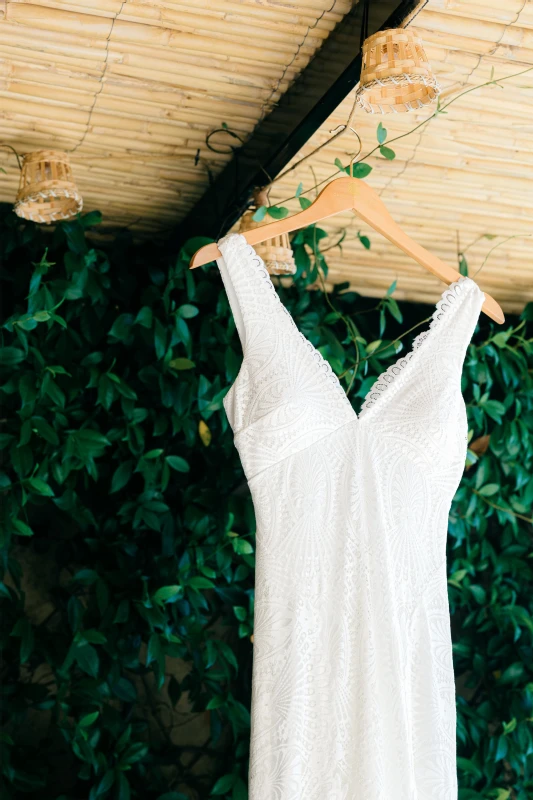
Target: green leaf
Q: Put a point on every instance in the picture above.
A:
(479, 594)
(463, 264)
(151, 454)
(41, 426)
(90, 219)
(509, 727)
(394, 309)
(277, 213)
(489, 489)
(513, 674)
(187, 311)
(87, 659)
(494, 409)
(144, 317)
(387, 153)
(135, 752)
(121, 328)
(360, 170)
(299, 190)
(40, 487)
(24, 630)
(121, 476)
(501, 750)
(91, 636)
(160, 339)
(199, 582)
(381, 133)
(75, 236)
(167, 594)
(124, 690)
(181, 363)
(304, 202)
(10, 356)
(93, 440)
(124, 792)
(87, 721)
(365, 241)
(177, 463)
(259, 215)
(106, 783)
(371, 346)
(392, 288)
(21, 528)
(224, 784)
(216, 702)
(242, 546)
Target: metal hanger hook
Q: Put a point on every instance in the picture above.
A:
(336, 131)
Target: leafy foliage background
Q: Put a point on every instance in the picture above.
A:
(127, 537)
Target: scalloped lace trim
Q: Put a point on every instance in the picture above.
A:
(239, 245)
(449, 302)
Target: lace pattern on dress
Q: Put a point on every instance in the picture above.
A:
(391, 378)
(237, 244)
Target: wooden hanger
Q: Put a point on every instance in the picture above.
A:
(345, 194)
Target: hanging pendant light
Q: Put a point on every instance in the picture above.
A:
(396, 76)
(47, 192)
(276, 252)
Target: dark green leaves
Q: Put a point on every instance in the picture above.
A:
(121, 476)
(177, 463)
(129, 546)
(40, 487)
(10, 356)
(167, 594)
(87, 659)
(24, 631)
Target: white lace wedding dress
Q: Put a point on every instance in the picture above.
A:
(353, 693)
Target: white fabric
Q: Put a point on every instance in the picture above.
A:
(353, 692)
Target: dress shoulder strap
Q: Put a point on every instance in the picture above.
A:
(250, 291)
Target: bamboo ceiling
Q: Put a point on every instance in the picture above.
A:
(131, 88)
(461, 177)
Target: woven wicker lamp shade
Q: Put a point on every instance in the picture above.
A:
(276, 252)
(396, 76)
(47, 192)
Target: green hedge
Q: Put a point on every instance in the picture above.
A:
(128, 529)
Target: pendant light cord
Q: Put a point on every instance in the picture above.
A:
(364, 23)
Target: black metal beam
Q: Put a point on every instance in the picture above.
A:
(327, 80)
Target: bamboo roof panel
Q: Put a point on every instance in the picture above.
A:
(131, 89)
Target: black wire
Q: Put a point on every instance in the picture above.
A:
(2, 144)
(364, 23)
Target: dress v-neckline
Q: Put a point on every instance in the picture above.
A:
(450, 299)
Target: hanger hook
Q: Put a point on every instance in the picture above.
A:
(334, 131)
